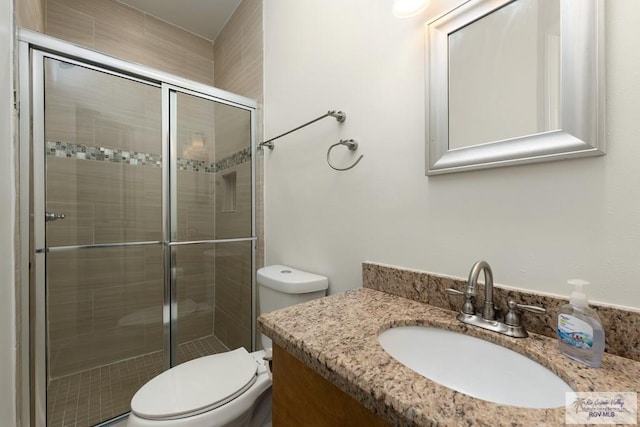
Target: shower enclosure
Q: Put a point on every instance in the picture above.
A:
(142, 234)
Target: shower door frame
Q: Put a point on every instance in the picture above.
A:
(33, 48)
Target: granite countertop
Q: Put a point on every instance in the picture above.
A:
(336, 336)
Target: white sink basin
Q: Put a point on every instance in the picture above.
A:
(475, 367)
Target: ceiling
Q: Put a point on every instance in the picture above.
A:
(204, 18)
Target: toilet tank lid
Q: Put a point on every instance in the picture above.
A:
(291, 281)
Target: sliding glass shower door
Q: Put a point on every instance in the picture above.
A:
(143, 232)
(211, 221)
(105, 284)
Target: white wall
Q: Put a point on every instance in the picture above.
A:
(537, 225)
(7, 221)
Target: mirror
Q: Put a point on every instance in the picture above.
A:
(514, 81)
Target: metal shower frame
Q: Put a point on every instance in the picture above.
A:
(32, 49)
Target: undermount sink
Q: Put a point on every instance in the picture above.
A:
(475, 367)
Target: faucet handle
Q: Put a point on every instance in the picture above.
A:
(512, 318)
(454, 292)
(531, 308)
(467, 307)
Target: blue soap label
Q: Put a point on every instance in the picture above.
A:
(575, 332)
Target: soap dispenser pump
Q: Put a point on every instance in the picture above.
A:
(580, 333)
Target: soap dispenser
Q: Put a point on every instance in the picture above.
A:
(580, 333)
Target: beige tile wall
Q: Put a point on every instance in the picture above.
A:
(233, 260)
(104, 306)
(233, 130)
(196, 122)
(94, 301)
(196, 190)
(30, 14)
(233, 272)
(102, 213)
(113, 28)
(89, 107)
(238, 52)
(238, 62)
(196, 205)
(195, 286)
(233, 294)
(103, 202)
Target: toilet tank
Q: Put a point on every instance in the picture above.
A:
(280, 286)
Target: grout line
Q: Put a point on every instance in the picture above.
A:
(94, 395)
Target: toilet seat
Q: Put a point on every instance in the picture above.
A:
(181, 392)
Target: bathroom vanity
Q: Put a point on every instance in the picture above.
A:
(303, 397)
(329, 368)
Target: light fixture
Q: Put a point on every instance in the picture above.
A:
(196, 149)
(408, 8)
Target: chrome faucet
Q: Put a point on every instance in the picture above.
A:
(488, 312)
(511, 325)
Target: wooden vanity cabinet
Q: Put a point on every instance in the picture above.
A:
(301, 397)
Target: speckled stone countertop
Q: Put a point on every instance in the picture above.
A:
(336, 336)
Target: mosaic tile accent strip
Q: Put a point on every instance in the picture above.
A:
(235, 159)
(134, 158)
(621, 325)
(196, 166)
(103, 154)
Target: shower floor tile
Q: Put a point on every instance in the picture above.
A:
(90, 397)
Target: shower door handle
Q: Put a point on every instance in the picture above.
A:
(52, 216)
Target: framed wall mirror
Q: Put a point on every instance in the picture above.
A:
(515, 81)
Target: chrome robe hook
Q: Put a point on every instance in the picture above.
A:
(352, 145)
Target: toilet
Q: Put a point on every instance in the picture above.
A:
(227, 389)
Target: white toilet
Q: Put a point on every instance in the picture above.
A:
(226, 389)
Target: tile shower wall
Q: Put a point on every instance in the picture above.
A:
(236, 55)
(113, 28)
(93, 298)
(238, 62)
(88, 287)
(104, 173)
(233, 294)
(233, 273)
(30, 14)
(238, 52)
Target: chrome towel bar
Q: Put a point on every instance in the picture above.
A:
(338, 115)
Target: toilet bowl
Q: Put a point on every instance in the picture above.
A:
(227, 389)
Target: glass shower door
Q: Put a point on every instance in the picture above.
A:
(211, 234)
(143, 232)
(104, 258)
